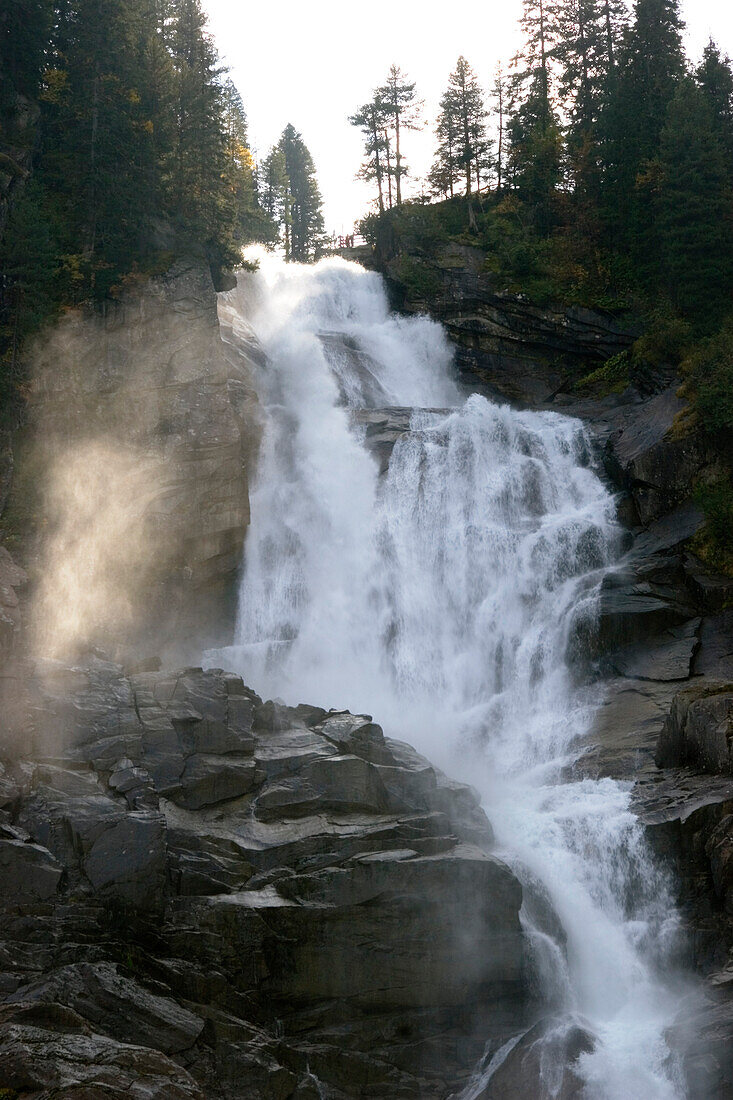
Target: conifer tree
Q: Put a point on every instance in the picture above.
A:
(399, 106)
(463, 145)
(500, 92)
(715, 77)
(695, 209)
(445, 173)
(650, 65)
(540, 24)
(370, 120)
(296, 202)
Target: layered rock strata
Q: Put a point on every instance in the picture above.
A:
(208, 895)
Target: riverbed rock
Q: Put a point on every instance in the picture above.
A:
(282, 899)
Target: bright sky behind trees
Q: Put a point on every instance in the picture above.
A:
(312, 62)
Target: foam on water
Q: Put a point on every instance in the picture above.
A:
(450, 599)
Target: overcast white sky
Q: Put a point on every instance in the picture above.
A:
(312, 62)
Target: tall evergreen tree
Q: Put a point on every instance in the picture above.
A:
(540, 23)
(650, 65)
(447, 168)
(500, 92)
(462, 139)
(303, 221)
(695, 209)
(370, 120)
(715, 77)
(399, 106)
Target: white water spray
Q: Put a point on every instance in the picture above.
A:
(446, 598)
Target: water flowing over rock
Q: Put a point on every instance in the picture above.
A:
(440, 563)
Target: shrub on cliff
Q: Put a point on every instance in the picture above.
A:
(709, 374)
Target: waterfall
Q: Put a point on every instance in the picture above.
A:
(449, 597)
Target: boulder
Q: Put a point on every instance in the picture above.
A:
(49, 1050)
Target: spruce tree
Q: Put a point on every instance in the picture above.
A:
(650, 65)
(715, 77)
(463, 143)
(540, 24)
(399, 106)
(303, 221)
(370, 120)
(695, 209)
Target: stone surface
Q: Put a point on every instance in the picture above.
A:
(699, 729)
(283, 900)
(152, 388)
(543, 1064)
(506, 345)
(47, 1050)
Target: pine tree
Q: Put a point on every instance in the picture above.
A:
(649, 67)
(540, 24)
(370, 120)
(715, 77)
(398, 104)
(500, 92)
(447, 168)
(535, 154)
(463, 145)
(302, 219)
(695, 209)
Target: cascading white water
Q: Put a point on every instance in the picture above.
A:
(446, 598)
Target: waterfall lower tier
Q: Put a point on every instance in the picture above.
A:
(450, 596)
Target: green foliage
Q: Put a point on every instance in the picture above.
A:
(665, 342)
(695, 210)
(612, 377)
(462, 158)
(417, 277)
(714, 544)
(708, 370)
(141, 154)
(292, 199)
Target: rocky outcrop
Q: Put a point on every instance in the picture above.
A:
(215, 896)
(158, 412)
(505, 345)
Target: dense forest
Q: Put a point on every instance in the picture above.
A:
(597, 172)
(123, 144)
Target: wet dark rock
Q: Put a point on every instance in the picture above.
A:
(703, 1036)
(49, 1050)
(282, 899)
(28, 872)
(699, 729)
(506, 345)
(543, 1064)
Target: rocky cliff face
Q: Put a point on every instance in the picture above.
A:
(505, 345)
(141, 431)
(665, 640)
(208, 895)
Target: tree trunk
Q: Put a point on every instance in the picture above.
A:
(377, 163)
(500, 150)
(389, 168)
(398, 158)
(609, 34)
